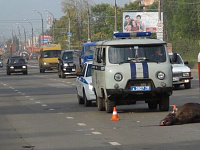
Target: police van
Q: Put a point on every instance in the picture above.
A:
(128, 70)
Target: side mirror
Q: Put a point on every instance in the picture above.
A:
(186, 63)
(174, 57)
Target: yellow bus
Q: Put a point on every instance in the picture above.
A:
(48, 59)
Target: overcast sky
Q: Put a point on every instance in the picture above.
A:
(15, 11)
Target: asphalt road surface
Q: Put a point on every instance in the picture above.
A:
(41, 112)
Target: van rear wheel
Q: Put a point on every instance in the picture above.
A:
(164, 102)
(152, 105)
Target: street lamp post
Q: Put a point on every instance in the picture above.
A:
(11, 46)
(52, 24)
(20, 46)
(31, 32)
(24, 35)
(42, 25)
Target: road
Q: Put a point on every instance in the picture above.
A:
(41, 112)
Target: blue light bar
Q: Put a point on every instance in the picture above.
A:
(132, 34)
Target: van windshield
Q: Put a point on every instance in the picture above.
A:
(125, 54)
(51, 53)
(89, 50)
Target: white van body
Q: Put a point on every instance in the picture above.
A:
(123, 72)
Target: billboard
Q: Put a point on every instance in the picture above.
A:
(45, 40)
(142, 22)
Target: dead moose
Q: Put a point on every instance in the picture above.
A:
(188, 113)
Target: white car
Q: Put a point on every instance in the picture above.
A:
(84, 87)
(181, 73)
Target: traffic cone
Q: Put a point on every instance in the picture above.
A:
(114, 115)
(174, 109)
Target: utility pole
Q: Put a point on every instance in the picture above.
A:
(159, 10)
(115, 16)
(69, 33)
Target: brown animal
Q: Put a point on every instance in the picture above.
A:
(188, 113)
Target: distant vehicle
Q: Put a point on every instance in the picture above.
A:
(87, 52)
(181, 73)
(85, 92)
(65, 64)
(16, 64)
(1, 61)
(48, 59)
(34, 56)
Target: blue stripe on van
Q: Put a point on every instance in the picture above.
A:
(133, 70)
(145, 70)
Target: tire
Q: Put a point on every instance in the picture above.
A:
(42, 70)
(62, 74)
(187, 85)
(80, 100)
(100, 104)
(86, 102)
(59, 73)
(164, 102)
(152, 105)
(109, 105)
(8, 72)
(25, 73)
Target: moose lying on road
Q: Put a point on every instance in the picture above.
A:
(188, 113)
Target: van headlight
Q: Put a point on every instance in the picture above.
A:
(160, 75)
(24, 67)
(118, 77)
(45, 63)
(186, 74)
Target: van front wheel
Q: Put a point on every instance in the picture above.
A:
(100, 104)
(109, 105)
(164, 102)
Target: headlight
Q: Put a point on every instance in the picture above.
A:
(160, 75)
(23, 66)
(186, 74)
(90, 87)
(66, 64)
(118, 77)
(45, 63)
(11, 67)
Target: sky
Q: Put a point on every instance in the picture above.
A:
(15, 11)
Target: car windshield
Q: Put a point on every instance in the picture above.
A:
(17, 61)
(178, 61)
(88, 74)
(123, 54)
(68, 56)
(51, 53)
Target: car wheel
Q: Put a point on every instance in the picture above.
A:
(164, 102)
(109, 104)
(152, 105)
(100, 104)
(59, 73)
(86, 102)
(80, 100)
(176, 86)
(62, 74)
(8, 72)
(187, 85)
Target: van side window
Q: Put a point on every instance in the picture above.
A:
(104, 55)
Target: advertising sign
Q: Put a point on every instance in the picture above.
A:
(47, 39)
(142, 22)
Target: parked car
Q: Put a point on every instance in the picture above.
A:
(16, 64)
(181, 73)
(85, 92)
(65, 64)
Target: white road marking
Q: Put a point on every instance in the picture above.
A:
(60, 113)
(81, 124)
(114, 143)
(51, 109)
(27, 96)
(19, 92)
(70, 117)
(44, 105)
(16, 90)
(31, 99)
(96, 133)
(38, 102)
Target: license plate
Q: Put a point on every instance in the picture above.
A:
(140, 88)
(175, 78)
(18, 70)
